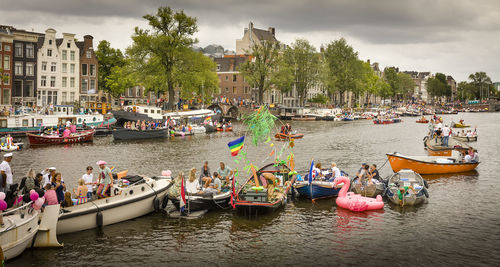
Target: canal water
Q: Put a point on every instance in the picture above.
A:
(460, 224)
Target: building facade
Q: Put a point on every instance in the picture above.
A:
(253, 35)
(6, 47)
(89, 68)
(453, 85)
(420, 79)
(232, 84)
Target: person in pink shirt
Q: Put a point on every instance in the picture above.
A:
(67, 132)
(50, 195)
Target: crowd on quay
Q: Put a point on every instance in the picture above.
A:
(50, 184)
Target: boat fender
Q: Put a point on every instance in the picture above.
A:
(99, 219)
(425, 184)
(156, 204)
(425, 192)
(164, 202)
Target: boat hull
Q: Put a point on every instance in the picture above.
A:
(197, 203)
(465, 139)
(368, 190)
(129, 134)
(426, 167)
(14, 241)
(81, 137)
(317, 190)
(282, 136)
(131, 203)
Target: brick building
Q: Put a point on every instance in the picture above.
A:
(89, 67)
(232, 85)
(6, 55)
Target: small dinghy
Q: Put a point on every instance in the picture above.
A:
(406, 188)
(318, 189)
(208, 202)
(367, 189)
(13, 147)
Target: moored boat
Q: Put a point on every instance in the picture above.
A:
(10, 148)
(133, 134)
(459, 125)
(195, 202)
(143, 195)
(20, 226)
(282, 136)
(465, 138)
(429, 164)
(377, 187)
(317, 189)
(406, 188)
(387, 121)
(255, 196)
(422, 120)
(78, 137)
(435, 148)
(224, 129)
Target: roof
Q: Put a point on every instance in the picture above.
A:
(225, 63)
(263, 35)
(41, 39)
(59, 41)
(80, 46)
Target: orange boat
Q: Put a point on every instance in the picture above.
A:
(429, 164)
(282, 136)
(434, 147)
(423, 120)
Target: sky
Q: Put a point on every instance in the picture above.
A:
(455, 37)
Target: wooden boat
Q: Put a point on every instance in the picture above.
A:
(387, 121)
(318, 188)
(13, 147)
(180, 133)
(422, 121)
(282, 136)
(377, 187)
(459, 125)
(410, 179)
(204, 202)
(429, 164)
(434, 147)
(465, 138)
(19, 228)
(78, 137)
(143, 195)
(130, 134)
(222, 129)
(252, 198)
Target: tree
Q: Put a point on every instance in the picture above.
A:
(341, 68)
(108, 58)
(391, 77)
(481, 84)
(406, 85)
(465, 91)
(119, 80)
(437, 86)
(263, 70)
(160, 49)
(3, 77)
(303, 61)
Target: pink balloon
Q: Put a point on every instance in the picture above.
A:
(2, 195)
(3, 205)
(33, 195)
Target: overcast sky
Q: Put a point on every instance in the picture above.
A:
(451, 36)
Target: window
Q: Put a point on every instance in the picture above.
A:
(18, 70)
(25, 123)
(6, 62)
(18, 50)
(72, 97)
(92, 70)
(53, 67)
(3, 123)
(227, 77)
(49, 97)
(72, 82)
(52, 81)
(39, 122)
(7, 78)
(43, 81)
(29, 89)
(138, 91)
(84, 69)
(246, 89)
(64, 96)
(6, 98)
(84, 86)
(89, 54)
(44, 66)
(50, 42)
(65, 67)
(49, 52)
(6, 48)
(68, 45)
(64, 82)
(64, 54)
(92, 87)
(145, 111)
(131, 92)
(72, 55)
(227, 89)
(218, 67)
(234, 89)
(72, 68)
(30, 50)
(234, 78)
(30, 68)
(0, 46)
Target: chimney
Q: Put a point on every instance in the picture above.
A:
(368, 61)
(272, 30)
(88, 41)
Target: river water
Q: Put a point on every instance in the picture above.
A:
(460, 224)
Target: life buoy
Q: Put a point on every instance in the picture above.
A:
(425, 192)
(99, 219)
(156, 204)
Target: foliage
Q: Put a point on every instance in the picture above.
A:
(437, 86)
(265, 68)
(465, 91)
(119, 80)
(158, 52)
(406, 85)
(303, 60)
(260, 124)
(481, 84)
(320, 99)
(108, 58)
(391, 77)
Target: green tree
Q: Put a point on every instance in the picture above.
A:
(3, 77)
(481, 84)
(303, 61)
(391, 77)
(159, 51)
(406, 85)
(342, 68)
(265, 67)
(437, 86)
(108, 58)
(374, 85)
(465, 91)
(119, 80)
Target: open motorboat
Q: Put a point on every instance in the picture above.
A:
(466, 139)
(317, 189)
(292, 136)
(143, 195)
(197, 202)
(134, 134)
(377, 187)
(20, 226)
(78, 137)
(435, 148)
(430, 164)
(406, 188)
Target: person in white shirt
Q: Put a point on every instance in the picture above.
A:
(88, 179)
(68, 123)
(192, 184)
(6, 172)
(335, 171)
(47, 175)
(446, 135)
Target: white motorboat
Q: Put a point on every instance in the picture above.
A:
(144, 195)
(19, 228)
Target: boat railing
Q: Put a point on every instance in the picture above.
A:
(16, 209)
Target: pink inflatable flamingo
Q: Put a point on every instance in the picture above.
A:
(355, 202)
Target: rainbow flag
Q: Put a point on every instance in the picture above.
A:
(208, 118)
(236, 145)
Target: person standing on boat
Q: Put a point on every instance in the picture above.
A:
(439, 133)
(105, 180)
(6, 172)
(225, 173)
(47, 175)
(446, 135)
(59, 186)
(88, 178)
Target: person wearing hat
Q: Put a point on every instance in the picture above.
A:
(105, 180)
(47, 175)
(6, 172)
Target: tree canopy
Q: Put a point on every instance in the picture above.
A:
(108, 58)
